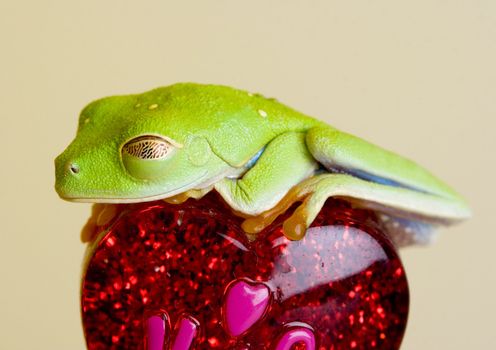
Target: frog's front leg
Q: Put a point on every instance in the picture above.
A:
(284, 163)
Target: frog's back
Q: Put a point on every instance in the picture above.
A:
(230, 103)
(236, 123)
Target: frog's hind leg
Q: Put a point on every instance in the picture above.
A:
(338, 151)
(396, 202)
(379, 179)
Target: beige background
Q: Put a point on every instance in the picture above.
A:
(417, 77)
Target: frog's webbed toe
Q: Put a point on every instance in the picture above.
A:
(101, 214)
(256, 224)
(184, 196)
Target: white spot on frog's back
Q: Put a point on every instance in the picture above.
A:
(153, 106)
(87, 120)
(262, 113)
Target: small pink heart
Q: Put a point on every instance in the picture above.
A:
(245, 304)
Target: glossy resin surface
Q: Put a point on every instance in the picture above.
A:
(163, 276)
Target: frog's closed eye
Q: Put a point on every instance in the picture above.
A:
(148, 147)
(144, 156)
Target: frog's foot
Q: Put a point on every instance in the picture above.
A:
(101, 214)
(183, 197)
(328, 185)
(314, 192)
(256, 224)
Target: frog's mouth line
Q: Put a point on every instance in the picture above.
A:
(137, 199)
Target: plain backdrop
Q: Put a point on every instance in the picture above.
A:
(417, 77)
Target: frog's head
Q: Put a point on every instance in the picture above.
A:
(150, 146)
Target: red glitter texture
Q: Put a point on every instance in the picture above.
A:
(344, 279)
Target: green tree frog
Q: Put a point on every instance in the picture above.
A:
(261, 156)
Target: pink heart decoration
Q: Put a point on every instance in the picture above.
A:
(245, 304)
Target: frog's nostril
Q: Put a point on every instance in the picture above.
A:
(74, 168)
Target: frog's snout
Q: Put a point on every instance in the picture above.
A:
(66, 171)
(64, 167)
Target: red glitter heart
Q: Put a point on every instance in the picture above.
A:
(341, 287)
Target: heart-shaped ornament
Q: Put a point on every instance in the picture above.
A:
(178, 277)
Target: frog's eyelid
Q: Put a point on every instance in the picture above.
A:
(148, 147)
